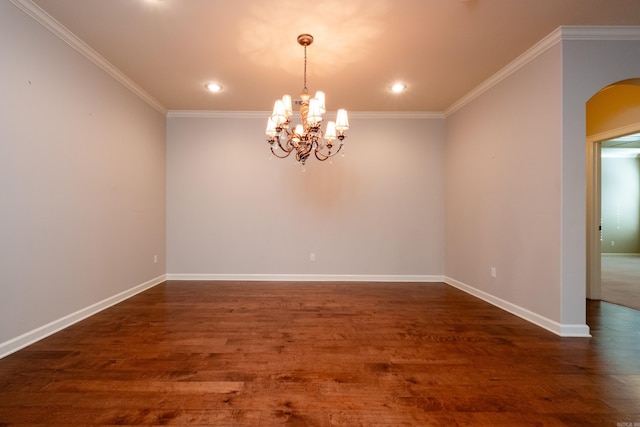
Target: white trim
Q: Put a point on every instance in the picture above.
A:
(600, 32)
(64, 34)
(221, 114)
(17, 343)
(563, 330)
(562, 33)
(529, 55)
(307, 277)
(396, 114)
(613, 133)
(24, 340)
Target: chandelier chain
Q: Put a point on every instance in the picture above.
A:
(305, 70)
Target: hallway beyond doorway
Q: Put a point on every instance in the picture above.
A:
(621, 279)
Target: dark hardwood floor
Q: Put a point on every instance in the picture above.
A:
(324, 354)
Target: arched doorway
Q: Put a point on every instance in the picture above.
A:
(613, 128)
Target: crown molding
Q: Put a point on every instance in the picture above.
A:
(536, 50)
(593, 33)
(47, 21)
(397, 114)
(219, 114)
(600, 33)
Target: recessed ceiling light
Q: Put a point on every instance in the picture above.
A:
(398, 87)
(214, 87)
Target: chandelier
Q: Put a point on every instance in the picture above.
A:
(307, 137)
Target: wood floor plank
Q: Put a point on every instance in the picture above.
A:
(323, 354)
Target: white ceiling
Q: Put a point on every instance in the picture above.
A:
(623, 146)
(442, 49)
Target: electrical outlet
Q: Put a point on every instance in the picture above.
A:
(613, 243)
(312, 257)
(493, 272)
(155, 259)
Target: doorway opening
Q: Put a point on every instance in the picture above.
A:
(613, 194)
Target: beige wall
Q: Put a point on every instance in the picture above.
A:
(620, 205)
(521, 147)
(234, 212)
(502, 189)
(587, 67)
(81, 184)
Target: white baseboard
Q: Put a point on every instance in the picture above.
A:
(307, 277)
(17, 343)
(560, 329)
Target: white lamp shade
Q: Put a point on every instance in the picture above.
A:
(330, 134)
(271, 127)
(288, 110)
(314, 111)
(320, 97)
(342, 121)
(278, 112)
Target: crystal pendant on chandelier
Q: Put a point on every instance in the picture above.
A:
(307, 137)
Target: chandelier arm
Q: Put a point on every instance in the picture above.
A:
(322, 156)
(303, 150)
(288, 146)
(286, 153)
